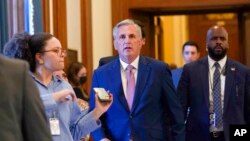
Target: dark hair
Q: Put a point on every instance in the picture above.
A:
(73, 70)
(37, 43)
(25, 46)
(18, 46)
(191, 43)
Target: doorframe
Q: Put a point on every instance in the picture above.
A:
(122, 11)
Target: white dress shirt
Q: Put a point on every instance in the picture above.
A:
(124, 65)
(222, 63)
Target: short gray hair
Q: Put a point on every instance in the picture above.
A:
(126, 22)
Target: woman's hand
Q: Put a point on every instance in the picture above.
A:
(64, 95)
(101, 107)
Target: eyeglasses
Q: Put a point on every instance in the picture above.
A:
(59, 51)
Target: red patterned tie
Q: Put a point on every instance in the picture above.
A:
(130, 85)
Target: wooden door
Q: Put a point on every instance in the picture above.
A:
(199, 24)
(148, 26)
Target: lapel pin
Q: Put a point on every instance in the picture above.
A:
(233, 69)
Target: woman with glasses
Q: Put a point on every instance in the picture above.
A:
(45, 55)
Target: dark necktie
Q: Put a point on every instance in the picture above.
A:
(217, 96)
(130, 85)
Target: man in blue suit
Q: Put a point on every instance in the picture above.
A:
(190, 53)
(198, 88)
(154, 98)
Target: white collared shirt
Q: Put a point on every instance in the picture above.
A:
(211, 66)
(124, 65)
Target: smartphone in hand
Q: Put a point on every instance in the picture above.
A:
(102, 94)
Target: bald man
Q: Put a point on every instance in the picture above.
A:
(216, 89)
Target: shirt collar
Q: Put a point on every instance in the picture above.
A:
(54, 79)
(222, 62)
(135, 63)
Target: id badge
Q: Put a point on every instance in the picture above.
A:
(212, 119)
(54, 126)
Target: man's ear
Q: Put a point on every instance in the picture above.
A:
(206, 47)
(143, 41)
(114, 44)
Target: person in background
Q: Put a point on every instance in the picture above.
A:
(142, 101)
(82, 103)
(61, 75)
(77, 75)
(45, 55)
(216, 89)
(22, 112)
(107, 59)
(190, 53)
(172, 66)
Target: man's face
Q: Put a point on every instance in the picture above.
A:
(128, 43)
(190, 54)
(217, 43)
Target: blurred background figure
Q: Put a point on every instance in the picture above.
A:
(22, 112)
(172, 66)
(77, 76)
(190, 53)
(61, 75)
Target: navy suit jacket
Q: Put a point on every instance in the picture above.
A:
(107, 59)
(194, 91)
(176, 75)
(155, 99)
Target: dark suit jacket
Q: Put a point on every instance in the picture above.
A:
(176, 75)
(22, 115)
(194, 91)
(107, 59)
(154, 95)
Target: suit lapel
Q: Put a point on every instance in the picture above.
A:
(143, 73)
(205, 80)
(115, 76)
(230, 73)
